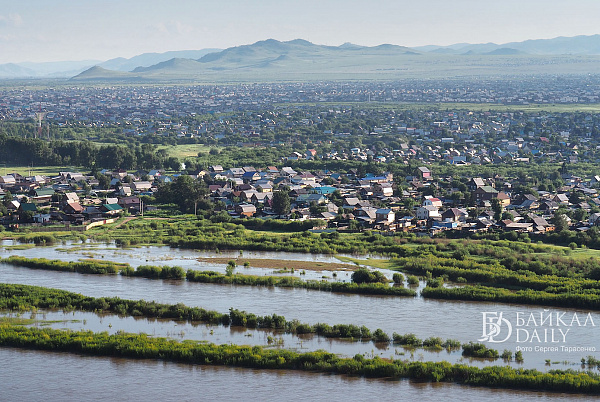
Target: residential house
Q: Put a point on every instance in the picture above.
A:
(454, 215)
(261, 198)
(367, 215)
(385, 216)
(307, 199)
(43, 195)
(562, 199)
(72, 208)
(432, 201)
(383, 190)
(475, 183)
(427, 212)
(288, 171)
(264, 187)
(245, 210)
(6, 181)
(130, 203)
(70, 197)
(548, 205)
(111, 209)
(424, 173)
(594, 219)
(141, 186)
(125, 190)
(540, 224)
(250, 176)
(27, 207)
(488, 193)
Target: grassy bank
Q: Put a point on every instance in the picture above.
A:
(167, 272)
(141, 346)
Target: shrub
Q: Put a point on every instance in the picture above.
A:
(398, 278)
(363, 275)
(435, 283)
(380, 336)
(479, 350)
(519, 357)
(433, 342)
(413, 280)
(407, 340)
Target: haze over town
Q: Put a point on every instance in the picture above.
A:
(39, 31)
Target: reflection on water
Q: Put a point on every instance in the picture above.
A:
(60, 377)
(423, 317)
(188, 259)
(110, 323)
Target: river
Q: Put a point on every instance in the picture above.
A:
(47, 376)
(446, 319)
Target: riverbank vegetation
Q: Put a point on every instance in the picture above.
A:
(25, 297)
(484, 270)
(177, 273)
(141, 346)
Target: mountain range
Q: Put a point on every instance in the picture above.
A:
(302, 60)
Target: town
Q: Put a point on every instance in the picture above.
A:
(345, 156)
(424, 204)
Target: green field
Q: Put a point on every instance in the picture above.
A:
(41, 170)
(185, 150)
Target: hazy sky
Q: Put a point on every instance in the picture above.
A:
(43, 30)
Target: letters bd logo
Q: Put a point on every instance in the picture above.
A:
(496, 328)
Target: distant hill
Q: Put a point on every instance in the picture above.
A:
(149, 59)
(300, 60)
(12, 70)
(504, 51)
(577, 45)
(98, 73)
(66, 69)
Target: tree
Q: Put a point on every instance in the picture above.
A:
(185, 192)
(580, 214)
(103, 181)
(8, 197)
(507, 215)
(576, 197)
(231, 264)
(281, 202)
(560, 222)
(497, 208)
(173, 163)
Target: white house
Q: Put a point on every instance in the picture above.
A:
(427, 212)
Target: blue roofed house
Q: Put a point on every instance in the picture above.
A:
(306, 199)
(251, 176)
(324, 190)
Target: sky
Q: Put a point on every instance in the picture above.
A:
(69, 30)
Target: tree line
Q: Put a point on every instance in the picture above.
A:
(40, 152)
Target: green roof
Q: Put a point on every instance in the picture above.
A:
(27, 206)
(44, 191)
(489, 189)
(112, 207)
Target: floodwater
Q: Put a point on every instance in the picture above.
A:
(463, 321)
(187, 259)
(46, 376)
